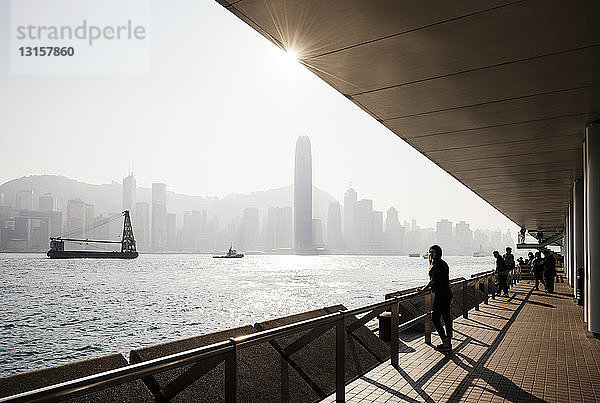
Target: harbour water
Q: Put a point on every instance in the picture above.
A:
(59, 311)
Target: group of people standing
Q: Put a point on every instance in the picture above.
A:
(504, 264)
(439, 275)
(543, 268)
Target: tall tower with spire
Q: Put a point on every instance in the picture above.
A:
(303, 196)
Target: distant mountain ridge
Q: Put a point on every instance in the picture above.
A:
(107, 198)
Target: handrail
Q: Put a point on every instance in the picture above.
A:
(386, 303)
(457, 280)
(284, 330)
(92, 383)
(114, 377)
(482, 273)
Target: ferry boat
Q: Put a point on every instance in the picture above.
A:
(128, 251)
(414, 255)
(480, 253)
(231, 254)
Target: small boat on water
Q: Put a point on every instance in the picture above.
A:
(480, 253)
(231, 254)
(426, 255)
(414, 255)
(128, 251)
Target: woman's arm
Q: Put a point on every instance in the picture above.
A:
(428, 286)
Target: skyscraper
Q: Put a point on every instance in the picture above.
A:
(89, 219)
(334, 226)
(303, 196)
(47, 202)
(159, 216)
(497, 240)
(394, 233)
(171, 231)
(249, 235)
(507, 240)
(464, 238)
(350, 200)
(317, 235)
(76, 218)
(129, 193)
(278, 231)
(24, 200)
(141, 225)
(364, 223)
(444, 235)
(377, 234)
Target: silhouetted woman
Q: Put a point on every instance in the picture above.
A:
(549, 270)
(538, 270)
(439, 275)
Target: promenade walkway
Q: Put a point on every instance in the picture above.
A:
(528, 347)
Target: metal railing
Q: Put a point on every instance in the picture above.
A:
(227, 351)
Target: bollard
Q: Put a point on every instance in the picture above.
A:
(231, 374)
(385, 326)
(428, 323)
(465, 300)
(477, 294)
(394, 334)
(340, 359)
(486, 285)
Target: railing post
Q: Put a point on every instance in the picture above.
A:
(465, 300)
(340, 359)
(477, 294)
(486, 289)
(394, 333)
(231, 374)
(493, 285)
(428, 324)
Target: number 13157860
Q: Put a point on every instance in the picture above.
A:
(46, 51)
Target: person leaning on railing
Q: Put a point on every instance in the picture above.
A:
(439, 283)
(502, 272)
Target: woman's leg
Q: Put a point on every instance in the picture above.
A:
(435, 318)
(447, 316)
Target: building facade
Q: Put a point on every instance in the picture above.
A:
(303, 231)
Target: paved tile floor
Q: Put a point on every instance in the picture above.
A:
(528, 347)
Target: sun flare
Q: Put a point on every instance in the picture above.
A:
(292, 55)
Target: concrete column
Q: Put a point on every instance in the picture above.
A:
(586, 283)
(566, 245)
(578, 243)
(592, 217)
(571, 249)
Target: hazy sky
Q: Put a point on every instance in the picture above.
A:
(218, 113)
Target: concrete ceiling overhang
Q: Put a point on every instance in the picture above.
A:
(496, 93)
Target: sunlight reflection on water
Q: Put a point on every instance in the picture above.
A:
(57, 311)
